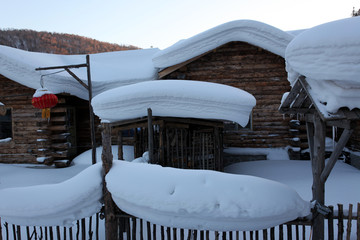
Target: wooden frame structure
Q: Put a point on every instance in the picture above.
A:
(89, 89)
(174, 142)
(301, 101)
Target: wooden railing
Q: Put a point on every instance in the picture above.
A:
(340, 224)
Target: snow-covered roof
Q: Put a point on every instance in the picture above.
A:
(108, 70)
(253, 32)
(175, 98)
(328, 56)
(202, 199)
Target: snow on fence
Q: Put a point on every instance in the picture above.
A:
(340, 224)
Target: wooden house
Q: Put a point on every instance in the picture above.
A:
(32, 139)
(244, 54)
(27, 138)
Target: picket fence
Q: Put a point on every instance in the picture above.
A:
(340, 224)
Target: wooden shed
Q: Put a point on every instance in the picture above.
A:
(32, 139)
(300, 100)
(186, 143)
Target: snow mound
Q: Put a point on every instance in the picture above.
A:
(253, 32)
(202, 199)
(175, 98)
(108, 70)
(328, 55)
(54, 204)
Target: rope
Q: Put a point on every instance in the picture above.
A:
(44, 75)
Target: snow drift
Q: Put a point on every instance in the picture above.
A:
(252, 32)
(54, 204)
(108, 70)
(202, 199)
(175, 98)
(328, 56)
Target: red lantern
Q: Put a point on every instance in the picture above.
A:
(44, 99)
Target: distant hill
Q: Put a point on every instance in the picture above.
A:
(57, 43)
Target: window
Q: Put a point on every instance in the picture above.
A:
(6, 125)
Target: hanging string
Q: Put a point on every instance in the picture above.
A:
(44, 75)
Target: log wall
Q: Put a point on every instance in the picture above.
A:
(37, 140)
(26, 121)
(256, 71)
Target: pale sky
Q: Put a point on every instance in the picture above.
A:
(161, 23)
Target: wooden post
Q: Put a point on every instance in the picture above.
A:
(91, 112)
(318, 162)
(109, 205)
(150, 136)
(120, 146)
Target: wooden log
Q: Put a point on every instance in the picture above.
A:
(358, 221)
(340, 222)
(331, 223)
(318, 162)
(348, 228)
(336, 153)
(150, 136)
(120, 145)
(111, 230)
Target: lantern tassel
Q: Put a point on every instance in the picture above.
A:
(45, 113)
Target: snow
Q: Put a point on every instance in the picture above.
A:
(328, 55)
(270, 153)
(175, 98)
(54, 204)
(202, 199)
(5, 140)
(297, 174)
(14, 179)
(252, 32)
(41, 92)
(108, 70)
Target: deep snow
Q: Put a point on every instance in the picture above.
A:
(295, 174)
(328, 56)
(175, 98)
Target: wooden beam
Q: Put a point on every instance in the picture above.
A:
(291, 96)
(341, 123)
(306, 87)
(310, 137)
(300, 99)
(91, 112)
(109, 205)
(150, 136)
(173, 68)
(120, 145)
(318, 162)
(77, 78)
(336, 153)
(59, 67)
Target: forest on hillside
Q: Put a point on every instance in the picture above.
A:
(58, 43)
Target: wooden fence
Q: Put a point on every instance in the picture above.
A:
(340, 224)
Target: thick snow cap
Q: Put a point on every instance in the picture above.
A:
(108, 70)
(43, 205)
(175, 98)
(202, 199)
(328, 56)
(252, 32)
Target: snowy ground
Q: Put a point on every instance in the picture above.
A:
(340, 187)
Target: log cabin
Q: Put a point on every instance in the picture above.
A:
(28, 138)
(245, 54)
